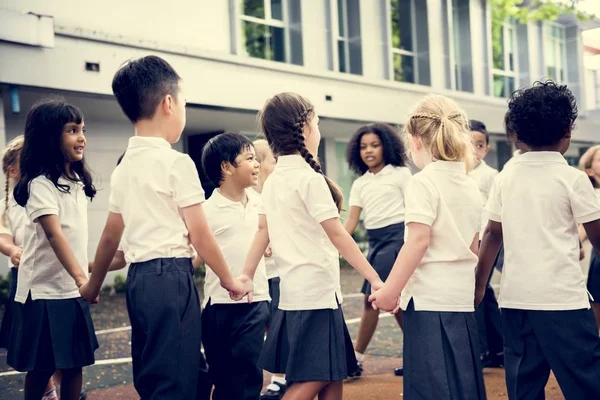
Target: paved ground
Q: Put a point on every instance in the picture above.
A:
(111, 377)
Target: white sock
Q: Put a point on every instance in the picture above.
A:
(359, 357)
(278, 379)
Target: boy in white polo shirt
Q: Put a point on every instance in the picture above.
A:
(534, 208)
(156, 193)
(235, 338)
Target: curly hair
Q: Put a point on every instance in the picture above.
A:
(542, 114)
(394, 152)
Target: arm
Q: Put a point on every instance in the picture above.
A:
(105, 252)
(118, 262)
(59, 243)
(475, 244)
(9, 249)
(582, 234)
(490, 246)
(196, 261)
(352, 219)
(257, 249)
(592, 230)
(409, 258)
(342, 241)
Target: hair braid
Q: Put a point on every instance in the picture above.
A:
(6, 185)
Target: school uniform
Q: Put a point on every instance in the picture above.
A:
(593, 281)
(236, 335)
(52, 327)
(489, 321)
(441, 356)
(381, 198)
(149, 189)
(296, 200)
(15, 218)
(274, 281)
(546, 315)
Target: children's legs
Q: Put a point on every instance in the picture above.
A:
(35, 384)
(333, 391)
(366, 329)
(70, 385)
(596, 309)
(304, 390)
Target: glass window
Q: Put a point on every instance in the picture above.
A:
(504, 58)
(345, 177)
(554, 51)
(349, 52)
(403, 45)
(263, 31)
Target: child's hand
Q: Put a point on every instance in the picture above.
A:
(581, 253)
(376, 285)
(88, 294)
(268, 251)
(479, 293)
(239, 288)
(15, 256)
(383, 301)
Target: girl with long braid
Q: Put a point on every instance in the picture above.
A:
(302, 223)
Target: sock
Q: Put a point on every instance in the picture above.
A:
(278, 379)
(359, 357)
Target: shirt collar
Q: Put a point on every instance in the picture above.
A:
(388, 169)
(448, 166)
(146, 141)
(293, 160)
(222, 201)
(541, 156)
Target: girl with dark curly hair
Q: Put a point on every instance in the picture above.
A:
(376, 153)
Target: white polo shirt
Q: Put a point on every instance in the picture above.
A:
(234, 227)
(296, 200)
(484, 177)
(271, 268)
(40, 272)
(444, 197)
(16, 218)
(540, 199)
(381, 196)
(149, 188)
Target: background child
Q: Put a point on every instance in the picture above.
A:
(435, 268)
(52, 326)
(236, 330)
(302, 223)
(590, 164)
(534, 208)
(156, 193)
(276, 389)
(376, 153)
(488, 313)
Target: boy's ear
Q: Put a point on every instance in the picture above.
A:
(226, 168)
(166, 105)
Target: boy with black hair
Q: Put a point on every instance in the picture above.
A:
(534, 208)
(235, 338)
(156, 193)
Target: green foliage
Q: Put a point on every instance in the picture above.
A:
(199, 273)
(119, 283)
(4, 288)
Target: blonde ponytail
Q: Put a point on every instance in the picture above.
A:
(10, 158)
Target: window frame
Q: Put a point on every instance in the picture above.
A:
(506, 73)
(338, 38)
(547, 35)
(268, 21)
(393, 51)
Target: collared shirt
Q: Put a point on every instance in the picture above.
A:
(484, 177)
(381, 196)
(296, 200)
(234, 227)
(40, 271)
(16, 218)
(540, 199)
(444, 197)
(149, 188)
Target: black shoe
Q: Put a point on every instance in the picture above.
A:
(271, 394)
(399, 371)
(493, 360)
(357, 373)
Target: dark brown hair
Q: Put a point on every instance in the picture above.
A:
(282, 120)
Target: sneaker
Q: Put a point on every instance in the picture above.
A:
(275, 391)
(51, 395)
(357, 373)
(399, 371)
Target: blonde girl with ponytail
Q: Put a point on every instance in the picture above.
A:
(435, 270)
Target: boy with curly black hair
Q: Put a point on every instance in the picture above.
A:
(534, 208)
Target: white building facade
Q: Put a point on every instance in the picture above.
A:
(358, 61)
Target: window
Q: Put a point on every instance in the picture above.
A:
(268, 31)
(554, 51)
(345, 176)
(504, 58)
(409, 42)
(348, 41)
(459, 73)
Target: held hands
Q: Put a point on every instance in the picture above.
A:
(382, 300)
(88, 294)
(239, 288)
(15, 256)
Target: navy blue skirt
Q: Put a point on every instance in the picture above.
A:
(51, 335)
(309, 345)
(593, 282)
(384, 245)
(274, 293)
(8, 313)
